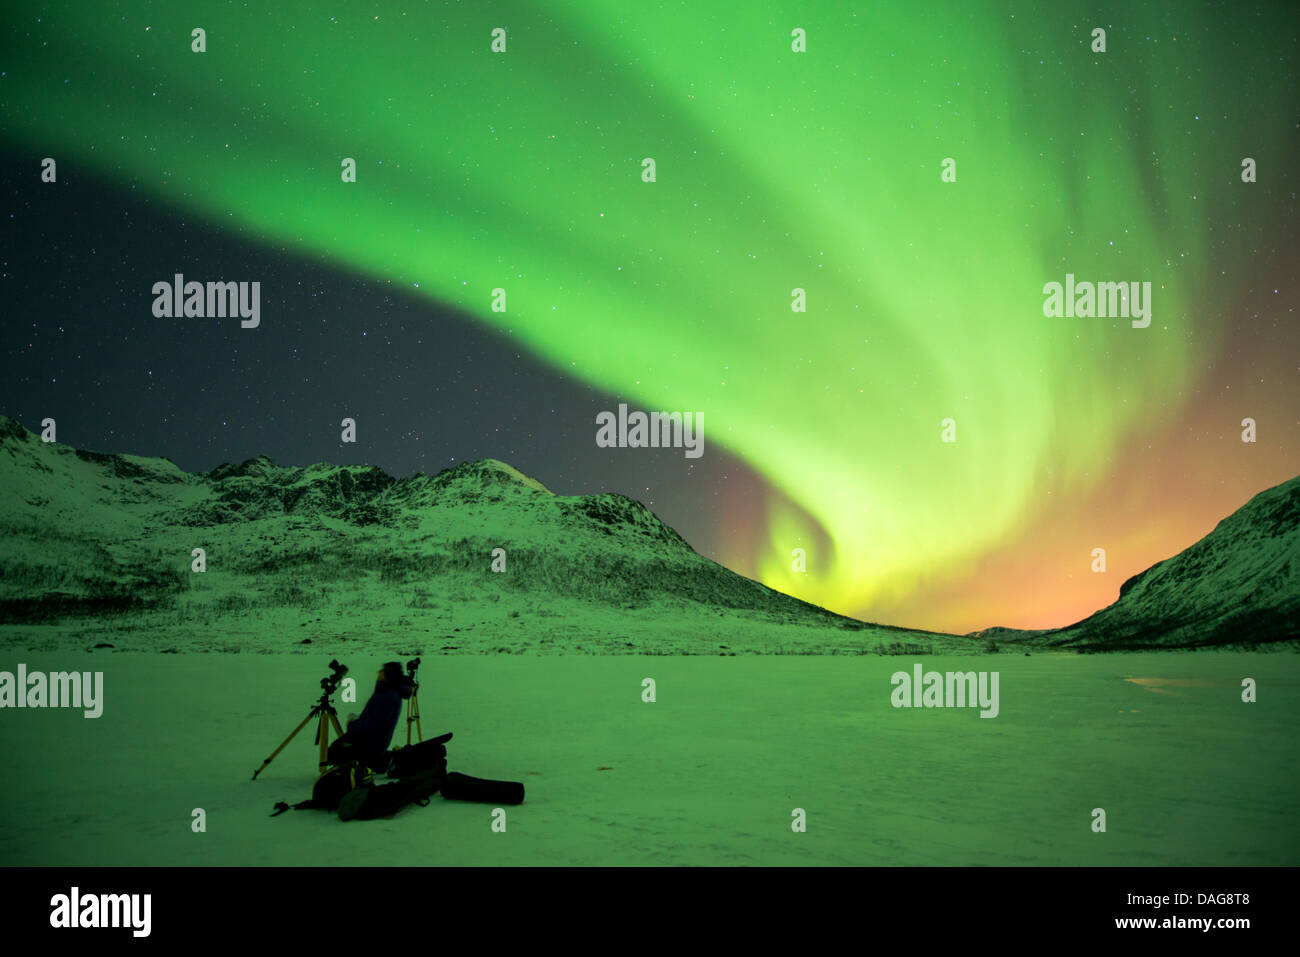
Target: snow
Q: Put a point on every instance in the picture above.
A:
(708, 774)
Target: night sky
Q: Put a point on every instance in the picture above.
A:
(775, 170)
(428, 387)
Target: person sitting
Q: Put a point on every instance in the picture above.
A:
(368, 735)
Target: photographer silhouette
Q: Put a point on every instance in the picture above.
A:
(368, 736)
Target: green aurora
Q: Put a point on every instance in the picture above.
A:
(775, 170)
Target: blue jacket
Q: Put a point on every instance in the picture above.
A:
(373, 730)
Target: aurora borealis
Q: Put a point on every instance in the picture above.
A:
(778, 170)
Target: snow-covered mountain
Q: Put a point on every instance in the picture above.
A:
(102, 546)
(105, 544)
(1239, 585)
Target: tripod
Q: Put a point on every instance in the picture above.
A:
(328, 716)
(413, 704)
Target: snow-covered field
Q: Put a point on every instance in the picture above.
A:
(708, 774)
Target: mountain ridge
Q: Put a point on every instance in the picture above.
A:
(1237, 585)
(94, 533)
(98, 534)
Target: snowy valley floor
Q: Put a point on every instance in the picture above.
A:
(708, 774)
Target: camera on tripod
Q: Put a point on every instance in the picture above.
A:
(330, 683)
(323, 710)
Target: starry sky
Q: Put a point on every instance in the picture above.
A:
(775, 170)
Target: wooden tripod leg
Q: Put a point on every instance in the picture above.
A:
(324, 734)
(413, 715)
(281, 747)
